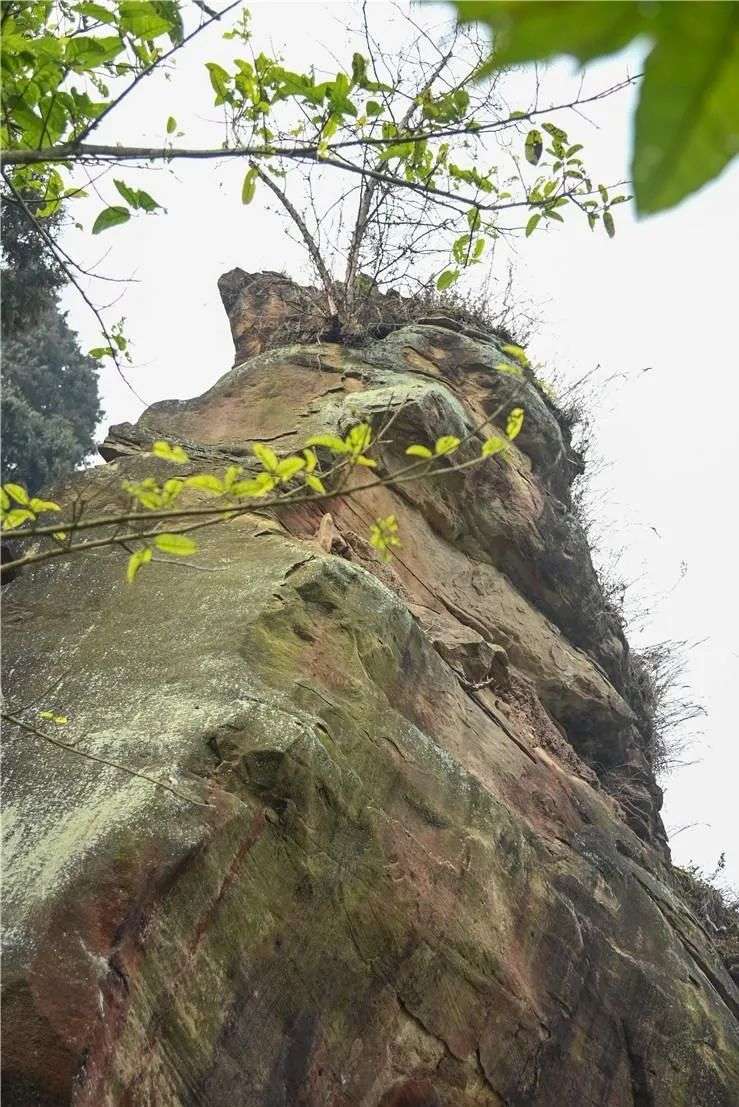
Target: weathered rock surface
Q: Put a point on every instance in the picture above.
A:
(422, 861)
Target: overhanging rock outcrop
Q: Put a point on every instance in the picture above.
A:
(422, 863)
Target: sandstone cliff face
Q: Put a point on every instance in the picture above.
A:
(424, 863)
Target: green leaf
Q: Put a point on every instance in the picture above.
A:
(168, 452)
(289, 467)
(359, 438)
(310, 460)
(506, 367)
(532, 224)
(100, 351)
(18, 493)
(493, 445)
(315, 483)
(384, 535)
(15, 517)
(266, 456)
(38, 506)
(146, 202)
(128, 193)
(178, 544)
(533, 147)
(447, 279)
(517, 353)
(608, 223)
(259, 486)
(525, 30)
(372, 108)
(171, 125)
(249, 186)
(110, 217)
(330, 442)
(231, 476)
(206, 482)
(143, 20)
(419, 451)
(4, 500)
(135, 561)
(514, 422)
(687, 126)
(95, 11)
(446, 444)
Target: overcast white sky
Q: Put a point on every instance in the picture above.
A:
(661, 296)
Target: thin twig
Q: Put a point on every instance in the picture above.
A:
(15, 721)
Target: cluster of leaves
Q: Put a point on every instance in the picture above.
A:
(272, 482)
(686, 129)
(58, 60)
(565, 167)
(17, 506)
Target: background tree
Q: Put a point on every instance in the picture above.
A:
(50, 401)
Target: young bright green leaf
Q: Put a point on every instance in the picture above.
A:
(38, 506)
(178, 544)
(506, 367)
(359, 438)
(100, 351)
(289, 467)
(446, 444)
(315, 483)
(4, 500)
(171, 125)
(514, 422)
(18, 493)
(310, 460)
(419, 451)
(330, 442)
(266, 456)
(447, 279)
(517, 353)
(135, 561)
(533, 147)
(52, 717)
(110, 217)
(231, 476)
(15, 517)
(384, 535)
(493, 445)
(368, 462)
(168, 452)
(258, 486)
(249, 186)
(206, 482)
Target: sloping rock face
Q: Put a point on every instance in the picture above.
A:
(411, 854)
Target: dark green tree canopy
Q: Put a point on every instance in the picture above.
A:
(50, 400)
